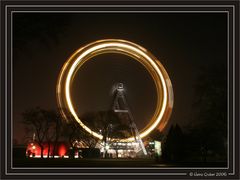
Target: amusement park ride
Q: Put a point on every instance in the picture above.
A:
(150, 62)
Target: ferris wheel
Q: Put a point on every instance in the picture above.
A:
(136, 52)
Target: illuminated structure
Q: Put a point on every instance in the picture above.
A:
(138, 53)
(34, 150)
(120, 106)
(55, 150)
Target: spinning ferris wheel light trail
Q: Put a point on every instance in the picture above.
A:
(138, 53)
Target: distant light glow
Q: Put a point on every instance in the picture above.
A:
(34, 150)
(154, 67)
(107, 147)
(157, 148)
(62, 150)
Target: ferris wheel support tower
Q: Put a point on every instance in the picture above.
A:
(120, 105)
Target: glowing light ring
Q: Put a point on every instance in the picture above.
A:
(154, 67)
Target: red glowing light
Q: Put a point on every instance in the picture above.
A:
(33, 149)
(62, 150)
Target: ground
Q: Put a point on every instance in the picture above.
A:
(108, 163)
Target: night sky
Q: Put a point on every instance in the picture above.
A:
(184, 43)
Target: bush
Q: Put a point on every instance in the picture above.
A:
(90, 153)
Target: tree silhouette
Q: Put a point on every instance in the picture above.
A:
(108, 124)
(173, 146)
(45, 124)
(74, 132)
(210, 108)
(54, 129)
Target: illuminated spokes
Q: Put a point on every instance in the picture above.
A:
(154, 67)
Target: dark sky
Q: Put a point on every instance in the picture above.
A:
(184, 43)
(94, 84)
